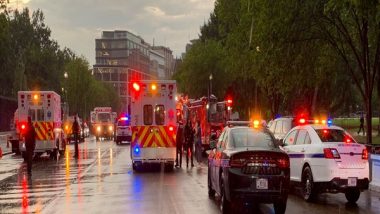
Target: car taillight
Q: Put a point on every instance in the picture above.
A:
(365, 154)
(283, 163)
(237, 163)
(331, 153)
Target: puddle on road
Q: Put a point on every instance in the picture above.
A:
(21, 194)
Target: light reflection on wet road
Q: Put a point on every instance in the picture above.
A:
(102, 181)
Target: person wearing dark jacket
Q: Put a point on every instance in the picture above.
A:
(179, 144)
(189, 143)
(30, 145)
(76, 133)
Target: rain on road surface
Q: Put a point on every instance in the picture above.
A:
(102, 181)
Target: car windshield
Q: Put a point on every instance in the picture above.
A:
(248, 137)
(334, 135)
(104, 117)
(123, 123)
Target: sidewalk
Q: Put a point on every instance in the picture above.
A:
(3, 143)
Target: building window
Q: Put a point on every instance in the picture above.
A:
(114, 76)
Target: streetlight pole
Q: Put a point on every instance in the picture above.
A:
(66, 76)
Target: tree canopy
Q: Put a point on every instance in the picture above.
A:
(285, 57)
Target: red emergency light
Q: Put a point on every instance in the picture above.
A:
(302, 121)
(171, 128)
(136, 86)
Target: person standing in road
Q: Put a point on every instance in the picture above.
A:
(189, 143)
(179, 144)
(361, 124)
(30, 145)
(76, 133)
(198, 142)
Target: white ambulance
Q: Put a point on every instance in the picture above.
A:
(44, 108)
(153, 121)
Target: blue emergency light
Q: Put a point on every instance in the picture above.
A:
(329, 122)
(137, 150)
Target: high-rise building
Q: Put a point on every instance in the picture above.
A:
(122, 56)
(169, 60)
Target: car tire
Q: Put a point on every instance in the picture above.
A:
(352, 195)
(279, 206)
(211, 191)
(308, 186)
(225, 205)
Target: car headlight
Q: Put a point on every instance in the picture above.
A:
(98, 129)
(110, 128)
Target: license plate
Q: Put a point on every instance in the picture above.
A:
(352, 182)
(262, 183)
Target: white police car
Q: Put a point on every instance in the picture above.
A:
(123, 131)
(326, 159)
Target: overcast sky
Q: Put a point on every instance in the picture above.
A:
(76, 23)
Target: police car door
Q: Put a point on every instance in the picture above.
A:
(300, 151)
(290, 148)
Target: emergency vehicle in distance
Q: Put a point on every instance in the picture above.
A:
(102, 122)
(211, 114)
(44, 108)
(153, 122)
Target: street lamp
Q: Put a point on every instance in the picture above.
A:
(209, 96)
(210, 78)
(64, 90)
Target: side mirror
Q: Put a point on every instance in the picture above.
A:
(280, 142)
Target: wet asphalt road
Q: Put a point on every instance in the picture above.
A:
(102, 181)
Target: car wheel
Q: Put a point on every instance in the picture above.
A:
(279, 206)
(224, 203)
(211, 192)
(308, 188)
(352, 195)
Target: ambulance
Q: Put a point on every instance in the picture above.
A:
(44, 108)
(153, 122)
(103, 122)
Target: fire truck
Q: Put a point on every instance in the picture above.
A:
(153, 122)
(103, 122)
(211, 114)
(44, 108)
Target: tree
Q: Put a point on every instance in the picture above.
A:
(352, 28)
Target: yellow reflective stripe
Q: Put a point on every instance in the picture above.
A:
(159, 139)
(40, 131)
(149, 138)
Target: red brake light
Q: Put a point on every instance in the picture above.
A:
(136, 86)
(365, 154)
(23, 126)
(283, 163)
(229, 101)
(237, 162)
(331, 153)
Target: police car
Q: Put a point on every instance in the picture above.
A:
(325, 158)
(123, 130)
